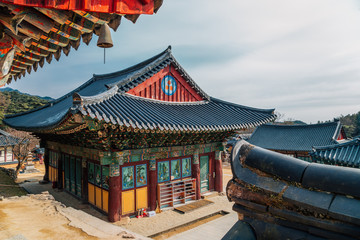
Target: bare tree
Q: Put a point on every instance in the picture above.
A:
(22, 144)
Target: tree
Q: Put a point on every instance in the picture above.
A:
(279, 116)
(22, 146)
(4, 104)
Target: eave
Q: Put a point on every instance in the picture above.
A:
(44, 32)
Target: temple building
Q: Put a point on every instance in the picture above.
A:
(297, 140)
(146, 137)
(7, 142)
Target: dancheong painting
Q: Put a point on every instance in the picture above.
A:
(175, 169)
(105, 177)
(163, 171)
(141, 175)
(186, 167)
(128, 177)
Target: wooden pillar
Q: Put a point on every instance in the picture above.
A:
(218, 172)
(60, 170)
(152, 183)
(114, 213)
(84, 187)
(196, 172)
(46, 160)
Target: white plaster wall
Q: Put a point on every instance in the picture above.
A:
(9, 155)
(2, 155)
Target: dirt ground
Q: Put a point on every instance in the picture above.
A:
(36, 176)
(33, 218)
(41, 217)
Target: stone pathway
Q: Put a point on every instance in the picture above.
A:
(213, 230)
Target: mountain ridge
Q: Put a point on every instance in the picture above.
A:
(9, 89)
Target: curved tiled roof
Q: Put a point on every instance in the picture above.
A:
(295, 137)
(279, 195)
(104, 97)
(143, 113)
(344, 154)
(6, 139)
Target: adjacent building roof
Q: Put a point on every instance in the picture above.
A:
(105, 97)
(343, 154)
(41, 30)
(296, 137)
(279, 195)
(6, 139)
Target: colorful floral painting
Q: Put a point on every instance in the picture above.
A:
(152, 165)
(91, 172)
(141, 179)
(97, 175)
(163, 171)
(175, 169)
(114, 170)
(127, 177)
(105, 177)
(186, 167)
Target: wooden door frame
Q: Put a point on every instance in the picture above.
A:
(211, 156)
(69, 167)
(134, 188)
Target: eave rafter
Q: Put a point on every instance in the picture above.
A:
(84, 131)
(88, 132)
(39, 33)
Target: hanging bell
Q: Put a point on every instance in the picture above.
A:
(105, 40)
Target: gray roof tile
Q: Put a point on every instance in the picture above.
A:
(345, 154)
(295, 137)
(6, 139)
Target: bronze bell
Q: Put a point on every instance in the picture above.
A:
(105, 40)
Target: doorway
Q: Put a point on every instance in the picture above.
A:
(204, 174)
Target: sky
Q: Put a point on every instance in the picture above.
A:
(301, 57)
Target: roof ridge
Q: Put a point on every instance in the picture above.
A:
(140, 73)
(300, 125)
(351, 142)
(4, 133)
(164, 102)
(192, 82)
(157, 60)
(87, 100)
(337, 131)
(134, 67)
(270, 110)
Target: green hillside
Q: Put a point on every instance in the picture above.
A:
(16, 102)
(351, 123)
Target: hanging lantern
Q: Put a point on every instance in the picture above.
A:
(105, 40)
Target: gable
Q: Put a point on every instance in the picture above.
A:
(166, 85)
(342, 134)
